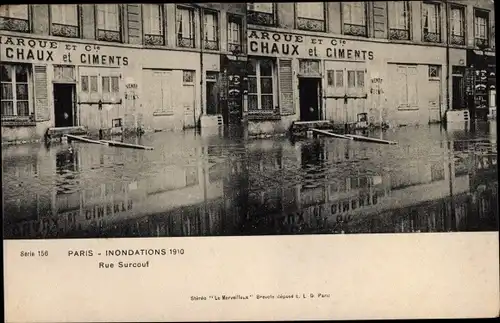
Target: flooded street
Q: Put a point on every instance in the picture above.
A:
(433, 180)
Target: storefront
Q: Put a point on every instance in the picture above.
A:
(482, 101)
(99, 87)
(297, 76)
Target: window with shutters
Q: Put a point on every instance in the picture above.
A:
(185, 27)
(234, 34)
(153, 24)
(399, 20)
(261, 13)
(108, 22)
(14, 17)
(15, 92)
(210, 30)
(65, 20)
(310, 15)
(481, 26)
(261, 87)
(406, 90)
(431, 22)
(457, 25)
(354, 18)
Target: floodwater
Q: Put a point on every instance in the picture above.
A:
(433, 180)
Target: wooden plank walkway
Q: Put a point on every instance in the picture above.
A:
(331, 134)
(80, 138)
(375, 140)
(126, 145)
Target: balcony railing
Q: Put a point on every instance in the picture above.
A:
(399, 34)
(260, 18)
(211, 44)
(14, 24)
(234, 48)
(109, 35)
(481, 42)
(154, 39)
(185, 42)
(432, 37)
(457, 40)
(65, 30)
(310, 24)
(355, 30)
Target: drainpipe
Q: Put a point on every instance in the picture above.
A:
(448, 71)
(201, 65)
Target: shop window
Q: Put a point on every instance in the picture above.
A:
(108, 22)
(93, 84)
(64, 20)
(399, 20)
(84, 84)
(431, 22)
(354, 18)
(153, 22)
(110, 84)
(457, 25)
(211, 30)
(310, 15)
(261, 13)
(14, 17)
(15, 91)
(185, 27)
(188, 77)
(234, 34)
(261, 85)
(481, 25)
(406, 90)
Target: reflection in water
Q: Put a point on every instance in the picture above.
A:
(433, 181)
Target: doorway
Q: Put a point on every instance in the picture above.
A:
(310, 103)
(64, 105)
(458, 88)
(212, 98)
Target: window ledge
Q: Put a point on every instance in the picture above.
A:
(263, 115)
(408, 108)
(18, 122)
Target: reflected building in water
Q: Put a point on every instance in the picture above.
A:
(260, 187)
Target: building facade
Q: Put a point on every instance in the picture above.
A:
(392, 62)
(118, 66)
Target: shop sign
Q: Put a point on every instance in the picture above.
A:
(30, 50)
(278, 44)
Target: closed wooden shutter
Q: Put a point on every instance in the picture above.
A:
(134, 23)
(379, 19)
(42, 112)
(412, 85)
(286, 87)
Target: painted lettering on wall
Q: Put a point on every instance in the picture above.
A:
(280, 44)
(46, 51)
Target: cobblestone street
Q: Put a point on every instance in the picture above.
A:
(193, 184)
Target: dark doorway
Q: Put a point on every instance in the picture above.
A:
(309, 90)
(212, 98)
(458, 88)
(64, 105)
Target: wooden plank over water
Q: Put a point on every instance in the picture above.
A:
(375, 140)
(80, 138)
(331, 134)
(126, 145)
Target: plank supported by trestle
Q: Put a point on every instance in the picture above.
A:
(331, 134)
(375, 140)
(126, 145)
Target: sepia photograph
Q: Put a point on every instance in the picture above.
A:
(254, 160)
(242, 119)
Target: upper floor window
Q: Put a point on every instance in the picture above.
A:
(431, 22)
(154, 33)
(260, 13)
(64, 20)
(354, 18)
(311, 15)
(108, 22)
(14, 17)
(399, 20)
(481, 25)
(211, 30)
(234, 34)
(185, 27)
(457, 25)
